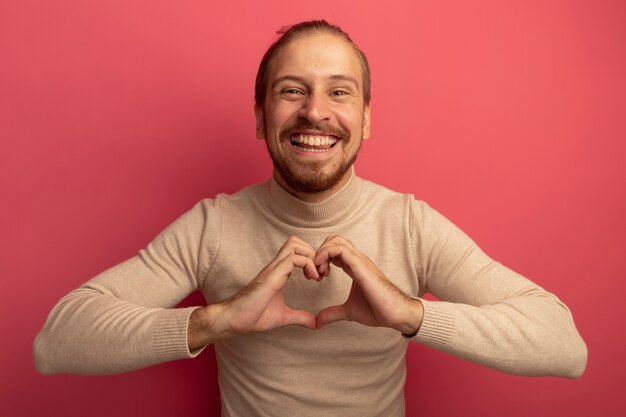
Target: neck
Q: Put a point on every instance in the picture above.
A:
(314, 197)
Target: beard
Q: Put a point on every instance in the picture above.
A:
(309, 177)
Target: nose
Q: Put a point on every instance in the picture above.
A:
(315, 108)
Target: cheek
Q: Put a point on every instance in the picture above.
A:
(350, 119)
(279, 117)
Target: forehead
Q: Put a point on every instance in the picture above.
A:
(317, 55)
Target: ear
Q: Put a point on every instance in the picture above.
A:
(260, 121)
(367, 124)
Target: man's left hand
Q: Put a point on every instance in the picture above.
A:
(373, 299)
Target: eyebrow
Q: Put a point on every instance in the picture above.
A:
(301, 80)
(342, 77)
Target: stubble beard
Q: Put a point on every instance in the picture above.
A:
(307, 177)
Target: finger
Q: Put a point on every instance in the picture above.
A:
(310, 271)
(280, 273)
(328, 239)
(338, 255)
(294, 241)
(323, 263)
(295, 245)
(331, 314)
(323, 269)
(294, 249)
(300, 318)
(335, 240)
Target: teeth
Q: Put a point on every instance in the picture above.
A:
(313, 149)
(314, 140)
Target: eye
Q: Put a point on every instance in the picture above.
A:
(342, 94)
(291, 91)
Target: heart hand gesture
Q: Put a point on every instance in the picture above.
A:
(373, 299)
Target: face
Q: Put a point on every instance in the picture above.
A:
(314, 116)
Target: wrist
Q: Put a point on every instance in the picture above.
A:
(412, 325)
(204, 327)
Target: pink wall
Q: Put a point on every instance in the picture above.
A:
(508, 117)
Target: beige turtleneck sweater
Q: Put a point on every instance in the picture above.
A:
(124, 318)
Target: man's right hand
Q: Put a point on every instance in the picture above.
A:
(260, 305)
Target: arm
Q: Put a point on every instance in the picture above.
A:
(123, 319)
(489, 314)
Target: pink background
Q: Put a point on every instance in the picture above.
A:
(508, 117)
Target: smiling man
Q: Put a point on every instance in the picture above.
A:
(314, 280)
(314, 114)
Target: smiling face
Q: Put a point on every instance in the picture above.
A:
(314, 116)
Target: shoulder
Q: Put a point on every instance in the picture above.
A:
(208, 212)
(388, 199)
(224, 201)
(421, 218)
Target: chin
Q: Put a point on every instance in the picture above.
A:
(313, 183)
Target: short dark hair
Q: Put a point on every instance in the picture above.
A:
(287, 34)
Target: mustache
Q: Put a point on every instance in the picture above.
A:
(303, 125)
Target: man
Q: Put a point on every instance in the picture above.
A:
(313, 280)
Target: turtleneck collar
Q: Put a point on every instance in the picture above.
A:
(329, 212)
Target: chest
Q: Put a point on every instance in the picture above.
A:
(249, 243)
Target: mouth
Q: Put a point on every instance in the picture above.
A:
(314, 143)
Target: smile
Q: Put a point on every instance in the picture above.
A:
(313, 143)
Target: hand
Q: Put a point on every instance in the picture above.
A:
(260, 306)
(373, 300)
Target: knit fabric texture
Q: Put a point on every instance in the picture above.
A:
(125, 318)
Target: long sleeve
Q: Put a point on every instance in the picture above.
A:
(124, 318)
(488, 313)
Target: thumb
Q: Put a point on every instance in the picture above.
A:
(300, 318)
(330, 314)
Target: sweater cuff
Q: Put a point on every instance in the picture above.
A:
(438, 325)
(169, 335)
